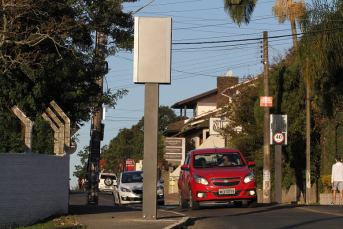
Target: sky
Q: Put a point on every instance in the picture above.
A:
(206, 44)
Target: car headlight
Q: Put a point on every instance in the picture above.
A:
(200, 180)
(124, 189)
(160, 187)
(248, 178)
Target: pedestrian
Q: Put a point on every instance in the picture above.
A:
(84, 184)
(337, 180)
(79, 181)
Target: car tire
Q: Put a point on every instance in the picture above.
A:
(108, 181)
(119, 201)
(252, 203)
(193, 204)
(183, 203)
(161, 203)
(238, 203)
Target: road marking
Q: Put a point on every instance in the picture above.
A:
(329, 213)
(182, 221)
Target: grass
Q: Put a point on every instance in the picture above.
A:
(59, 222)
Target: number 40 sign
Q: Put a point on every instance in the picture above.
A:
(278, 129)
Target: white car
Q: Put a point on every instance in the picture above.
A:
(129, 189)
(107, 181)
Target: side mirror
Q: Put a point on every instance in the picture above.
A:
(251, 164)
(184, 167)
(161, 181)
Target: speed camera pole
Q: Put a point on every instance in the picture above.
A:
(152, 66)
(266, 119)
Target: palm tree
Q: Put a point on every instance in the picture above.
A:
(289, 10)
(240, 10)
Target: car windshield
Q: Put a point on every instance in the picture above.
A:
(213, 160)
(103, 176)
(132, 177)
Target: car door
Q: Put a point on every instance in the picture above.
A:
(186, 177)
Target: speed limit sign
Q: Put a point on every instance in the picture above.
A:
(279, 137)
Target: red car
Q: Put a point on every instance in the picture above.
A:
(216, 174)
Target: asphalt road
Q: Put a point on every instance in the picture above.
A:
(211, 215)
(265, 216)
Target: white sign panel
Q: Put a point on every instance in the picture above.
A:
(278, 129)
(152, 50)
(216, 125)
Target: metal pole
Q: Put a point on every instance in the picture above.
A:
(150, 150)
(266, 145)
(278, 174)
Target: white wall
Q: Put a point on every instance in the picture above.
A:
(33, 187)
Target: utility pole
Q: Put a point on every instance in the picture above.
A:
(96, 130)
(266, 120)
(308, 144)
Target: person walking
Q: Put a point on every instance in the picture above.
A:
(337, 180)
(80, 183)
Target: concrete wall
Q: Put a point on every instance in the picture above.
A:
(293, 195)
(33, 187)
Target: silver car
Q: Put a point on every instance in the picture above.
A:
(129, 189)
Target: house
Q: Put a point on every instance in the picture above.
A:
(198, 130)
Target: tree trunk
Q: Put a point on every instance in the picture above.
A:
(294, 33)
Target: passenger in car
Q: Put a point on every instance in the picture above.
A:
(201, 162)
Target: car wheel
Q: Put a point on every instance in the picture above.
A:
(119, 201)
(183, 203)
(114, 199)
(252, 203)
(238, 203)
(108, 181)
(194, 205)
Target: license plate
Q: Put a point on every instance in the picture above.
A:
(227, 191)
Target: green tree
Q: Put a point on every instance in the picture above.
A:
(240, 10)
(245, 129)
(47, 53)
(81, 170)
(321, 57)
(129, 143)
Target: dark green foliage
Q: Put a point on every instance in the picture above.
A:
(240, 10)
(43, 137)
(81, 170)
(129, 143)
(11, 139)
(47, 53)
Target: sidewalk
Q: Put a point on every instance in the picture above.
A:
(103, 217)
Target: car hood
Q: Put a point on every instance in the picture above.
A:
(223, 172)
(135, 186)
(132, 186)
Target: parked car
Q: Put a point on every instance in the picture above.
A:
(129, 189)
(205, 177)
(107, 181)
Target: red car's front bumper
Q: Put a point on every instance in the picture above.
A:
(211, 193)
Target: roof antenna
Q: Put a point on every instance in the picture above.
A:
(214, 145)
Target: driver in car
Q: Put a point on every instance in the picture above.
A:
(226, 161)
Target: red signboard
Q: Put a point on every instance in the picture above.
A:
(266, 101)
(130, 165)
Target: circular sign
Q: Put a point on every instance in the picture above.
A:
(279, 138)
